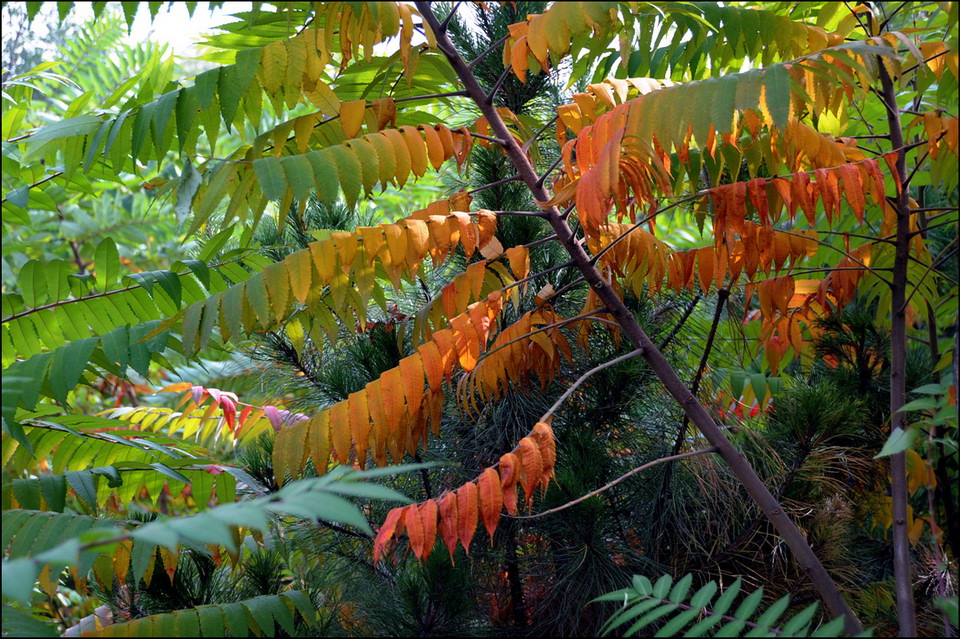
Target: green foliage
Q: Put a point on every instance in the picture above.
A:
(261, 615)
(676, 610)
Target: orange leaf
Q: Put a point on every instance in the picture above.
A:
(491, 500)
(415, 531)
(448, 522)
(853, 188)
(519, 258)
(360, 424)
(783, 292)
(340, 429)
(432, 365)
(411, 372)
(532, 462)
(543, 433)
(381, 428)
(393, 524)
(320, 441)
(428, 518)
(385, 110)
(467, 513)
(509, 471)
(434, 147)
(706, 263)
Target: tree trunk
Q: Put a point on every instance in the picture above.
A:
(906, 613)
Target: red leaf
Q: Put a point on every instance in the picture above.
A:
(393, 524)
(428, 518)
(448, 522)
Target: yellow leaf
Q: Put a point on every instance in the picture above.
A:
(323, 97)
(351, 117)
(273, 66)
(417, 148)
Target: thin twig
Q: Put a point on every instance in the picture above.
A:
(512, 178)
(487, 51)
(594, 493)
(498, 84)
(943, 257)
(584, 377)
(683, 320)
(533, 138)
(543, 178)
(450, 16)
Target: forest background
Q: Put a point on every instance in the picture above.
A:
(652, 308)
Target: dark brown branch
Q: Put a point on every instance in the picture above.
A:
(903, 580)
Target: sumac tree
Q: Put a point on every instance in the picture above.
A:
(813, 145)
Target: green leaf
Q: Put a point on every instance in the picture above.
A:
(726, 599)
(211, 621)
(18, 577)
(900, 440)
(672, 628)
(749, 605)
(56, 273)
(130, 13)
(270, 174)
(81, 125)
(190, 180)
(704, 596)
(33, 283)
(931, 389)
(776, 84)
(772, 614)
(54, 489)
(17, 623)
(662, 587)
(141, 126)
(161, 117)
(107, 264)
(85, 486)
(949, 606)
(206, 86)
(831, 629)
(229, 94)
(67, 366)
(299, 175)
(922, 403)
(680, 590)
(796, 625)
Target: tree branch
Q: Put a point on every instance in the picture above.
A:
(583, 378)
(594, 493)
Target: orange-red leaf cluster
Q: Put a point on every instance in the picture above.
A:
(456, 514)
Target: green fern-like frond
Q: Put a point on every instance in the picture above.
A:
(673, 607)
(240, 619)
